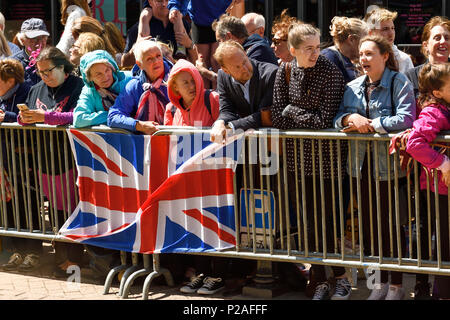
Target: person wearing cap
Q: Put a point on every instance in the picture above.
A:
(33, 35)
(103, 81)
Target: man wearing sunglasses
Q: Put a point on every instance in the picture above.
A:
(34, 36)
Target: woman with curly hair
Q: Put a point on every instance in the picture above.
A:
(280, 31)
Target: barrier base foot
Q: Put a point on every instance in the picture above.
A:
(161, 272)
(264, 292)
(110, 277)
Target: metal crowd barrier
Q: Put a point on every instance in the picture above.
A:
(268, 228)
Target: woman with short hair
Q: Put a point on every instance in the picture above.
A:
(52, 101)
(103, 81)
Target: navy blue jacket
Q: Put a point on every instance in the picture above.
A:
(9, 106)
(234, 108)
(31, 76)
(258, 48)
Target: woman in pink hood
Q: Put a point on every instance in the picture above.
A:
(190, 103)
(434, 99)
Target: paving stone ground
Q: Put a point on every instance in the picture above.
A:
(42, 285)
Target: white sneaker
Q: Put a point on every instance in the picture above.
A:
(379, 294)
(395, 293)
(342, 290)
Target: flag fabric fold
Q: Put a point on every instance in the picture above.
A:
(154, 194)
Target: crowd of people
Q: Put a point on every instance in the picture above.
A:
(192, 63)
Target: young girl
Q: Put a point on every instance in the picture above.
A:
(434, 99)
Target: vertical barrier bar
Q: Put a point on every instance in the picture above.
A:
(316, 230)
(262, 147)
(333, 196)
(322, 202)
(352, 209)
(28, 184)
(269, 190)
(430, 249)
(358, 201)
(40, 178)
(377, 187)
(22, 188)
(244, 173)
(397, 209)
(438, 219)
(49, 200)
(4, 213)
(418, 220)
(61, 171)
(66, 163)
(280, 205)
(252, 195)
(14, 165)
(297, 195)
(9, 155)
(305, 218)
(391, 237)
(341, 202)
(369, 182)
(35, 177)
(286, 199)
(53, 178)
(236, 215)
(408, 184)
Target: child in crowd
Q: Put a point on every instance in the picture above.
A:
(434, 100)
(190, 103)
(193, 105)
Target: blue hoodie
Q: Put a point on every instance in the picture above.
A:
(89, 110)
(202, 12)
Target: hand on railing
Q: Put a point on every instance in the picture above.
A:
(32, 116)
(356, 122)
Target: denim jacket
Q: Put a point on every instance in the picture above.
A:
(380, 111)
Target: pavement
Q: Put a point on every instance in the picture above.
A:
(42, 285)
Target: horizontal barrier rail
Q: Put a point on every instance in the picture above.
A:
(306, 208)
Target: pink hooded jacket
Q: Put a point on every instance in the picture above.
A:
(432, 120)
(197, 112)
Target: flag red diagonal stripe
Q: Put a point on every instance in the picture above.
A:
(211, 224)
(98, 151)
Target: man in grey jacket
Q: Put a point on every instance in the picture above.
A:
(245, 87)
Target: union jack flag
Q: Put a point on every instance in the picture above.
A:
(154, 194)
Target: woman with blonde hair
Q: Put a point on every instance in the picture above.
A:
(89, 24)
(346, 33)
(86, 42)
(5, 51)
(117, 40)
(70, 11)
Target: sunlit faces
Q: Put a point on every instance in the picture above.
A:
(237, 65)
(308, 52)
(184, 85)
(386, 30)
(6, 85)
(74, 53)
(280, 47)
(444, 92)
(52, 75)
(34, 43)
(438, 44)
(101, 74)
(152, 63)
(372, 61)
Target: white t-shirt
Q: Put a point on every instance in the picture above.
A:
(403, 60)
(65, 43)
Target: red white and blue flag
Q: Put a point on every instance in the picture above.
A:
(154, 194)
